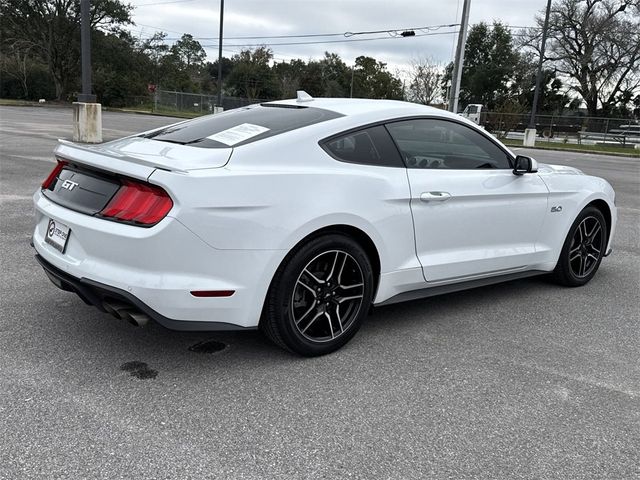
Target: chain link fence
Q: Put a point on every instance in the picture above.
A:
(565, 128)
(196, 103)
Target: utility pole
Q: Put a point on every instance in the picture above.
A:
(220, 54)
(87, 113)
(351, 89)
(85, 42)
(530, 132)
(459, 60)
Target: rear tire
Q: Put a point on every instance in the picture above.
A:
(583, 249)
(319, 296)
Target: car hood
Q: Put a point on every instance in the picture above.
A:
(545, 168)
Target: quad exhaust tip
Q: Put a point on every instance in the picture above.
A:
(123, 311)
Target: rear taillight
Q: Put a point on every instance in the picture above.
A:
(54, 174)
(139, 203)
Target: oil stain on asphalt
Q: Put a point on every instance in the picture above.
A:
(139, 370)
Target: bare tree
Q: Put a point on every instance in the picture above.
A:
(424, 77)
(14, 64)
(597, 44)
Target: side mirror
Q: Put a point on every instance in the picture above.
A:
(523, 164)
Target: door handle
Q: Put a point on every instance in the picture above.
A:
(435, 196)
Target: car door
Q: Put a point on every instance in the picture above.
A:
(472, 216)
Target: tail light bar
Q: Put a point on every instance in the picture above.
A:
(54, 174)
(138, 203)
(134, 202)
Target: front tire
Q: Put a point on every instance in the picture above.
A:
(583, 249)
(319, 296)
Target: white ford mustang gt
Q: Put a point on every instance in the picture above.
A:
(296, 216)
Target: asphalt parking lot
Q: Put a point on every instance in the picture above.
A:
(518, 380)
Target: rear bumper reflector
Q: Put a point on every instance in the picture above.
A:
(212, 293)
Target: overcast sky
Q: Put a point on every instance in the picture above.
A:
(256, 18)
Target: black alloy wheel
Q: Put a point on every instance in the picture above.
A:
(583, 249)
(319, 296)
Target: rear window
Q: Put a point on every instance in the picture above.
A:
(242, 125)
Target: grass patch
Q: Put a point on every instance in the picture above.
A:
(573, 147)
(167, 112)
(159, 111)
(11, 102)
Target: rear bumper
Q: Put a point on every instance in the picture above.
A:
(100, 296)
(156, 267)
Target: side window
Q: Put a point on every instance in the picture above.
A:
(433, 143)
(370, 146)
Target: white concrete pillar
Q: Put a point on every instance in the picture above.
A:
(87, 122)
(529, 137)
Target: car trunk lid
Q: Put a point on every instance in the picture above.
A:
(139, 157)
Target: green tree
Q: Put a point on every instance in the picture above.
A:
(188, 57)
(251, 76)
(553, 93)
(120, 69)
(373, 80)
(155, 49)
(189, 53)
(489, 65)
(211, 77)
(50, 31)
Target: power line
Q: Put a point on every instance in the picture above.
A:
(330, 41)
(393, 32)
(397, 31)
(162, 3)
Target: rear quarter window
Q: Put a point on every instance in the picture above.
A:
(369, 146)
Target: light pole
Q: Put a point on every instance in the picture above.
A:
(85, 45)
(459, 60)
(87, 113)
(536, 94)
(351, 89)
(220, 54)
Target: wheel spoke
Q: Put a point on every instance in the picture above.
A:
(300, 282)
(596, 251)
(574, 256)
(583, 230)
(347, 287)
(596, 229)
(318, 315)
(330, 325)
(304, 315)
(590, 255)
(333, 267)
(339, 318)
(579, 232)
(583, 265)
(341, 270)
(315, 279)
(345, 299)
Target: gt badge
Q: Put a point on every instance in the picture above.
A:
(69, 185)
(557, 209)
